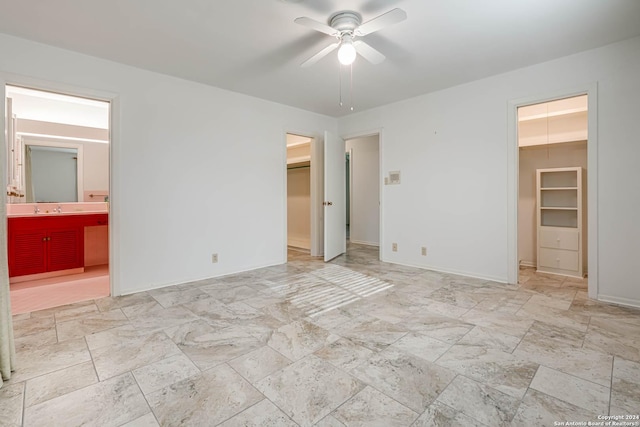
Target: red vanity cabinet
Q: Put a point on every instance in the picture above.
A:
(40, 244)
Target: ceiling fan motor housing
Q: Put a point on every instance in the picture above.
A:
(345, 22)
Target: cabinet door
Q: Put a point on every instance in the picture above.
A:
(65, 248)
(27, 252)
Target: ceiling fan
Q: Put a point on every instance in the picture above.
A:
(346, 26)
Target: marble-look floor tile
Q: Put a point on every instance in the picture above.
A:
(172, 295)
(259, 363)
(479, 401)
(410, 380)
(231, 294)
(40, 339)
(52, 311)
(112, 303)
(148, 420)
(90, 324)
(75, 312)
(344, 354)
(445, 309)
(118, 336)
(505, 323)
(587, 364)
(38, 361)
(585, 394)
(165, 372)
(370, 408)
(207, 399)
(552, 336)
(505, 372)
(610, 336)
(541, 410)
(422, 346)
(11, 398)
(372, 333)
(443, 328)
(33, 325)
(553, 302)
(625, 396)
(329, 421)
(455, 297)
(298, 339)
(262, 414)
(153, 317)
(440, 415)
(114, 360)
(112, 402)
(309, 389)
(208, 347)
(222, 315)
(490, 338)
(626, 370)
(554, 316)
(60, 382)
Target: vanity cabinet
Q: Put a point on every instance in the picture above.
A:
(48, 243)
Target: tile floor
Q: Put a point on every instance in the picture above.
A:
(352, 342)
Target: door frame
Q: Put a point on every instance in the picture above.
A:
(114, 152)
(513, 168)
(379, 132)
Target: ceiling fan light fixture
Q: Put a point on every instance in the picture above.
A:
(347, 52)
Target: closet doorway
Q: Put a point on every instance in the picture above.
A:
(363, 189)
(299, 193)
(57, 172)
(552, 239)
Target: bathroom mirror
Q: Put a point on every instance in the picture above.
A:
(51, 174)
(58, 147)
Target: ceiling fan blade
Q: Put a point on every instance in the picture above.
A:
(368, 53)
(315, 25)
(386, 19)
(318, 56)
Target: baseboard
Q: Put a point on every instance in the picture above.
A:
(361, 242)
(528, 264)
(628, 302)
(456, 272)
(38, 276)
(299, 243)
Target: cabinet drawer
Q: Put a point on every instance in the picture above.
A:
(558, 258)
(559, 238)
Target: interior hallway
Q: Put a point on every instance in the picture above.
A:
(352, 342)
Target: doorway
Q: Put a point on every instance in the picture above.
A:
(298, 194)
(363, 189)
(48, 131)
(555, 172)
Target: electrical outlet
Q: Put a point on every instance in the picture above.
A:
(214, 258)
(424, 251)
(394, 247)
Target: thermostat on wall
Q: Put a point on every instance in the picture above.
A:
(394, 177)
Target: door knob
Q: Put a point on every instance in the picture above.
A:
(327, 203)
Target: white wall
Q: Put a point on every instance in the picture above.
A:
(196, 169)
(451, 148)
(541, 157)
(365, 190)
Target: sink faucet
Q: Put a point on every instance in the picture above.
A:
(36, 209)
(58, 209)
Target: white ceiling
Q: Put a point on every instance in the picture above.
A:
(254, 47)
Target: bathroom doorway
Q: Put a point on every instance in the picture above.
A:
(58, 232)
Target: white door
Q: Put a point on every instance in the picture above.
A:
(335, 235)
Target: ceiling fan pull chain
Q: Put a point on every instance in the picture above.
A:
(351, 87)
(340, 78)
